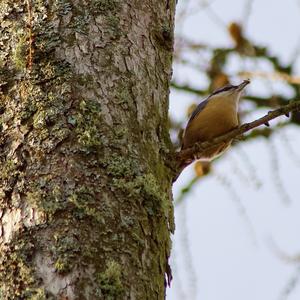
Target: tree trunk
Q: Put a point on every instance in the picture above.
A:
(85, 192)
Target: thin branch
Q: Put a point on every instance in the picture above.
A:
(252, 170)
(292, 154)
(185, 190)
(186, 253)
(275, 173)
(265, 132)
(291, 284)
(274, 101)
(188, 88)
(242, 211)
(185, 157)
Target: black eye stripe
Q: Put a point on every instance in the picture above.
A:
(223, 89)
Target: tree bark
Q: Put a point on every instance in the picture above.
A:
(85, 190)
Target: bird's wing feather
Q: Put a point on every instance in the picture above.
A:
(202, 105)
(199, 108)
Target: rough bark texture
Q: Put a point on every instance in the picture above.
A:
(85, 193)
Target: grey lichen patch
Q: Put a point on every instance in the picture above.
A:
(39, 294)
(6, 82)
(109, 282)
(80, 23)
(49, 71)
(85, 80)
(81, 16)
(107, 14)
(86, 204)
(124, 94)
(121, 133)
(127, 176)
(62, 7)
(46, 41)
(13, 36)
(105, 6)
(18, 36)
(59, 133)
(56, 72)
(30, 96)
(147, 189)
(152, 190)
(121, 167)
(29, 109)
(46, 201)
(40, 111)
(65, 251)
(10, 170)
(42, 117)
(113, 29)
(88, 125)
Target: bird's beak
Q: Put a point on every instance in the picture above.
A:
(243, 85)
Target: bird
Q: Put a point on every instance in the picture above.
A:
(215, 116)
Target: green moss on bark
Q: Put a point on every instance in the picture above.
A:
(109, 282)
(104, 6)
(86, 204)
(20, 52)
(88, 122)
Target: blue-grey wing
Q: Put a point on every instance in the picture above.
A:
(202, 105)
(198, 109)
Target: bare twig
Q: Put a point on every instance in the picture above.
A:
(185, 157)
(292, 154)
(186, 254)
(275, 173)
(242, 211)
(189, 89)
(291, 284)
(245, 158)
(185, 190)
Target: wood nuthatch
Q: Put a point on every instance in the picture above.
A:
(215, 116)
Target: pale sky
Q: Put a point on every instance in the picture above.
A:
(231, 227)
